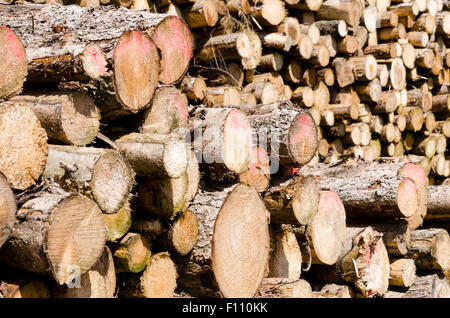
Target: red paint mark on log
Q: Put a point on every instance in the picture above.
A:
(305, 129)
(15, 44)
(416, 173)
(98, 57)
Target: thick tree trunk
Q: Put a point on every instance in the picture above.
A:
(23, 152)
(103, 25)
(373, 182)
(57, 233)
(101, 173)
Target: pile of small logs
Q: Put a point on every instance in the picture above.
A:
(225, 148)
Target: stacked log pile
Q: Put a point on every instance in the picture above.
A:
(224, 148)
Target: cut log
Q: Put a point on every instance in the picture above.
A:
(203, 13)
(104, 24)
(169, 111)
(292, 136)
(293, 202)
(194, 88)
(229, 254)
(101, 173)
(367, 190)
(286, 257)
(14, 63)
(132, 254)
(59, 234)
(22, 152)
(222, 96)
(284, 288)
(8, 209)
(70, 118)
(245, 46)
(98, 282)
(166, 197)
(327, 230)
(350, 11)
(159, 279)
(155, 155)
(430, 249)
(402, 272)
(271, 12)
(431, 286)
(222, 138)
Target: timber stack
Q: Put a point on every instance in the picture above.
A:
(225, 148)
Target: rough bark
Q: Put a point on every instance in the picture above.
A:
(8, 209)
(56, 233)
(103, 174)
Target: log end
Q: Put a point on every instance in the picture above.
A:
(159, 279)
(136, 70)
(14, 66)
(235, 275)
(303, 141)
(23, 151)
(174, 41)
(76, 236)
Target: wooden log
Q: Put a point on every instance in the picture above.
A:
(350, 12)
(344, 71)
(59, 234)
(8, 209)
(284, 288)
(178, 237)
(23, 153)
(194, 88)
(221, 139)
(155, 155)
(132, 254)
(295, 201)
(292, 136)
(159, 280)
(337, 28)
(13, 71)
(264, 92)
(285, 257)
(282, 42)
(215, 210)
(70, 118)
(430, 249)
(98, 282)
(431, 286)
(222, 96)
(258, 174)
(403, 191)
(245, 46)
(103, 174)
(270, 12)
(402, 272)
(202, 13)
(169, 111)
(105, 25)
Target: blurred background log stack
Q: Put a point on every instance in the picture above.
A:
(152, 148)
